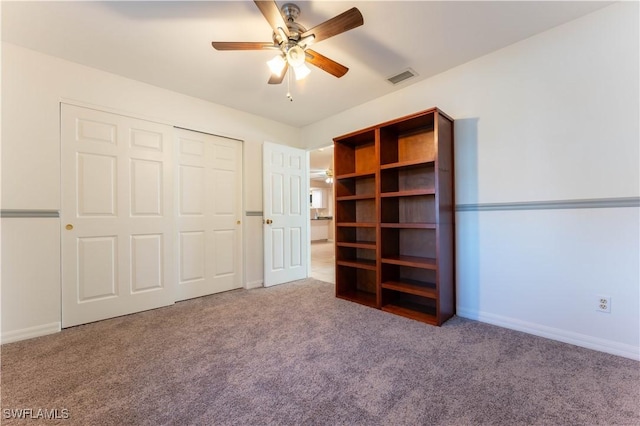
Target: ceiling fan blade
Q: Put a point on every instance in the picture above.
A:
(277, 79)
(242, 45)
(346, 21)
(325, 64)
(273, 16)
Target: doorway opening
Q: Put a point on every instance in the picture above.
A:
(321, 207)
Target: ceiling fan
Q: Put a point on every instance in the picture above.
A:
(292, 40)
(325, 175)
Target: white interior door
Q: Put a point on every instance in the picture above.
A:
(117, 215)
(209, 209)
(286, 213)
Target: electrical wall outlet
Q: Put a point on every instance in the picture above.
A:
(603, 303)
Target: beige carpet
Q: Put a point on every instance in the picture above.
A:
(294, 354)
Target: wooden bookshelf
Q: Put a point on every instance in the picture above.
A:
(394, 201)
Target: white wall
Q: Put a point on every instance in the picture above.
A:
(30, 304)
(33, 85)
(554, 117)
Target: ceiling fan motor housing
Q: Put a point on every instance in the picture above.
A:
(290, 11)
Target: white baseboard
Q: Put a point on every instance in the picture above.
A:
(582, 340)
(31, 332)
(253, 284)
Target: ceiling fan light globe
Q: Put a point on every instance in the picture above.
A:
(276, 65)
(301, 71)
(295, 56)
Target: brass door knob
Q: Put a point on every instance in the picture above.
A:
(69, 227)
(269, 221)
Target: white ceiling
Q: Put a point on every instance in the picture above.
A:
(168, 44)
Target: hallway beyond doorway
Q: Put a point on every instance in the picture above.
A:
(323, 261)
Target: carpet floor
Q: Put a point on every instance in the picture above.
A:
(296, 355)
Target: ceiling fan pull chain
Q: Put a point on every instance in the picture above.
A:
(289, 87)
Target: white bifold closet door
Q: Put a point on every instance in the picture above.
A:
(117, 215)
(209, 204)
(150, 214)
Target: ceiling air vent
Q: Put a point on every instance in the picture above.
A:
(402, 76)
